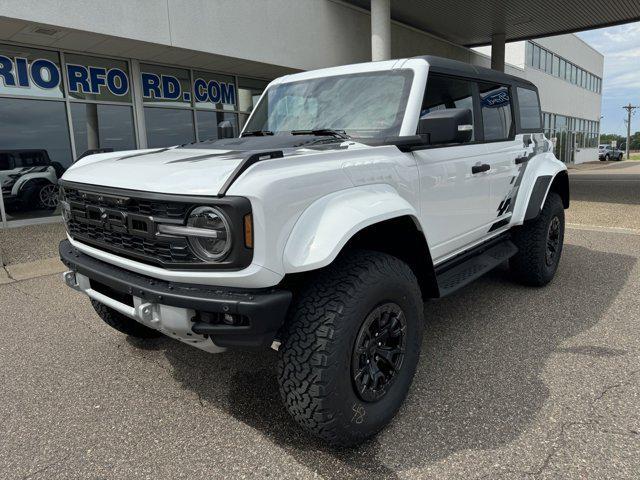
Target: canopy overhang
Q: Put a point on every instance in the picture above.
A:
(474, 22)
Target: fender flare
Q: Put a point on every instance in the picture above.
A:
(326, 226)
(540, 191)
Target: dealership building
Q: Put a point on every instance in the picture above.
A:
(93, 75)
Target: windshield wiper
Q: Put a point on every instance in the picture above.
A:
(322, 132)
(257, 133)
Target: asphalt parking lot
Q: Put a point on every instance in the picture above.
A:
(512, 382)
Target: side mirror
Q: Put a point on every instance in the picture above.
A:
(453, 125)
(225, 129)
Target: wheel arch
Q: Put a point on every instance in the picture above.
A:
(372, 217)
(558, 183)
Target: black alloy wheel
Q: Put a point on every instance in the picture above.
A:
(379, 351)
(553, 241)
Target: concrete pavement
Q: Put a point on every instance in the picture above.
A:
(512, 383)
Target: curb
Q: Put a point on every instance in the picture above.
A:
(25, 271)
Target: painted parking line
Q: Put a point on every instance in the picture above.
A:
(598, 228)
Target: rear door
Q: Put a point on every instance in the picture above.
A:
(455, 202)
(503, 148)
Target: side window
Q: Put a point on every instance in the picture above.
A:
(495, 103)
(444, 92)
(529, 108)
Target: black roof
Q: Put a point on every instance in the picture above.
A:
(455, 67)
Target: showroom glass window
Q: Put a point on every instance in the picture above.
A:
(167, 98)
(33, 131)
(101, 108)
(216, 101)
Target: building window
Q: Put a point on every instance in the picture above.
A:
(32, 133)
(167, 127)
(536, 56)
(529, 54)
(30, 72)
(497, 118)
(165, 86)
(35, 125)
(209, 124)
(99, 79)
(97, 126)
(214, 91)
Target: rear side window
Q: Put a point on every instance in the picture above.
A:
(529, 107)
(445, 92)
(497, 117)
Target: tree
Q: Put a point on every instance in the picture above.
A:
(607, 138)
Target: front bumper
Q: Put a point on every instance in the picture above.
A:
(194, 314)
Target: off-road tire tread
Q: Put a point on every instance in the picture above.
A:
(306, 351)
(122, 323)
(527, 266)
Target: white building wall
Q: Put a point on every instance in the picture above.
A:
(297, 34)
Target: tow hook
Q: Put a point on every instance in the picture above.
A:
(70, 279)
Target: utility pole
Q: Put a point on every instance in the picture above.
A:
(630, 111)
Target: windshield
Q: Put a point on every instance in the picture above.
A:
(365, 105)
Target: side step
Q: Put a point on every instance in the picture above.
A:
(472, 268)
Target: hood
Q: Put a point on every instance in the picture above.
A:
(194, 169)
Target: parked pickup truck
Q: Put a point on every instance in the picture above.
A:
(352, 196)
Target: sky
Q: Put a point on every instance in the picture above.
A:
(621, 84)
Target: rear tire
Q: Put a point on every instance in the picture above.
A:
(326, 383)
(122, 323)
(539, 243)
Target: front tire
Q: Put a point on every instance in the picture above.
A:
(365, 306)
(122, 323)
(539, 243)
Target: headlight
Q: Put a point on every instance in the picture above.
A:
(209, 233)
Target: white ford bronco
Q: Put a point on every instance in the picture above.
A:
(352, 196)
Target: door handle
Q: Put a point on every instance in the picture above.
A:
(520, 160)
(480, 168)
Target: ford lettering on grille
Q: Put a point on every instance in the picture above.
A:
(114, 220)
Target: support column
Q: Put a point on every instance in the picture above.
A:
(497, 51)
(93, 128)
(380, 30)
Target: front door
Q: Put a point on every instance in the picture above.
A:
(455, 197)
(455, 202)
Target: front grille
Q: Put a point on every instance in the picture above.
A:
(153, 208)
(126, 226)
(176, 251)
